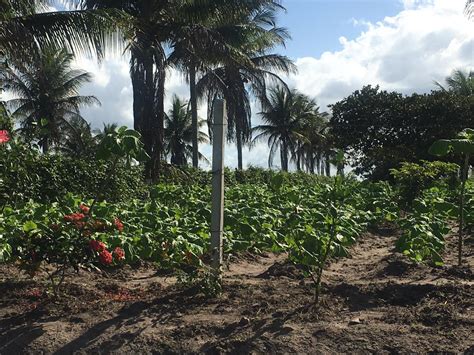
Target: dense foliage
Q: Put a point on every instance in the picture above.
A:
(381, 129)
(26, 174)
(413, 178)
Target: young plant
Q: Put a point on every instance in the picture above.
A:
(317, 234)
(425, 227)
(462, 145)
(54, 239)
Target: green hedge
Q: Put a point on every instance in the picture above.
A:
(26, 174)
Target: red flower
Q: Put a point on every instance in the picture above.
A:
(97, 246)
(4, 136)
(84, 208)
(118, 224)
(119, 253)
(105, 257)
(74, 217)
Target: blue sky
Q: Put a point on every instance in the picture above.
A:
(316, 25)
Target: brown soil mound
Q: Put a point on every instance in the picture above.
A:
(374, 302)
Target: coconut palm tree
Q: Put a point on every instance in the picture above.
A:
(236, 81)
(311, 151)
(469, 9)
(283, 116)
(26, 25)
(78, 140)
(47, 95)
(179, 24)
(226, 41)
(107, 129)
(459, 82)
(179, 132)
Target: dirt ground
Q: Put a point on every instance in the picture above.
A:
(374, 302)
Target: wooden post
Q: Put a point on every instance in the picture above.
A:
(217, 221)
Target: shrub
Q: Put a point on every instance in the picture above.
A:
(26, 174)
(52, 238)
(413, 178)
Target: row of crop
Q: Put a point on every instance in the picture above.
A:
(311, 223)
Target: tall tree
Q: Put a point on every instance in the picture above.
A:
(78, 140)
(283, 116)
(47, 95)
(236, 81)
(314, 151)
(155, 25)
(381, 129)
(26, 25)
(179, 131)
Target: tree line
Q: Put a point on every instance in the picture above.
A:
(225, 49)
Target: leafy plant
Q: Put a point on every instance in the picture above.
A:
(463, 145)
(413, 178)
(425, 227)
(53, 239)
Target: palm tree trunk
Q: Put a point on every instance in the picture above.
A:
(238, 134)
(239, 152)
(159, 132)
(194, 113)
(284, 156)
(148, 119)
(328, 167)
(45, 145)
(138, 81)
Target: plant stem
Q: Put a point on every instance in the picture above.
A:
(461, 208)
(323, 261)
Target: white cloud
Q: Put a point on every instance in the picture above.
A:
(406, 52)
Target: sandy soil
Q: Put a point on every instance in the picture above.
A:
(374, 302)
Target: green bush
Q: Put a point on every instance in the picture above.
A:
(413, 178)
(26, 174)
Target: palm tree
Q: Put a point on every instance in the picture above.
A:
(107, 129)
(179, 132)
(459, 82)
(78, 141)
(210, 39)
(311, 151)
(47, 95)
(23, 29)
(189, 24)
(283, 116)
(469, 9)
(235, 81)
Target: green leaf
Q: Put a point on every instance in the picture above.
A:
(440, 148)
(277, 182)
(29, 226)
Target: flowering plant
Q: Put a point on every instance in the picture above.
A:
(4, 136)
(53, 241)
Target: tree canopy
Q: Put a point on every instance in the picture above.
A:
(380, 129)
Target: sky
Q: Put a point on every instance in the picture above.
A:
(338, 46)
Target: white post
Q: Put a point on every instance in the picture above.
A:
(217, 220)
